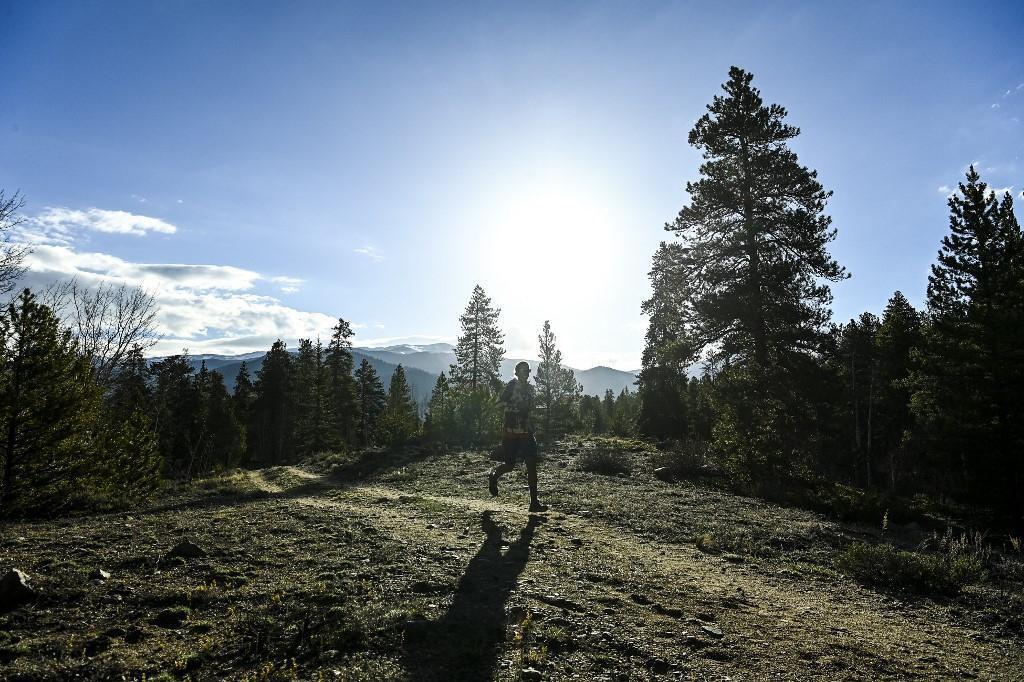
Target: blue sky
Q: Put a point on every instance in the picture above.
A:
(264, 168)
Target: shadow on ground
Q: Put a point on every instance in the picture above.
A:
(464, 644)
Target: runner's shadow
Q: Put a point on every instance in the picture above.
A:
(464, 643)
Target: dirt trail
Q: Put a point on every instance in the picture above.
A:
(765, 621)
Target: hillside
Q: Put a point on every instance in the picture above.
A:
(400, 566)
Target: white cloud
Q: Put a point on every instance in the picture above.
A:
(288, 285)
(206, 308)
(64, 220)
(371, 253)
(944, 189)
(995, 105)
(1000, 191)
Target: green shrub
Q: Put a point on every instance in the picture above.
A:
(685, 459)
(925, 573)
(604, 461)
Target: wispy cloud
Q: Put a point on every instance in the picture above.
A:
(204, 307)
(288, 285)
(1000, 191)
(65, 220)
(209, 307)
(371, 253)
(944, 189)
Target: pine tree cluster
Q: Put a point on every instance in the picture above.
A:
(741, 352)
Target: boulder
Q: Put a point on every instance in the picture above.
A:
(170, 618)
(15, 589)
(186, 549)
(664, 474)
(99, 574)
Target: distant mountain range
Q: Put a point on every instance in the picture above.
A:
(422, 363)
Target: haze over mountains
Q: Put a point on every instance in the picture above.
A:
(422, 363)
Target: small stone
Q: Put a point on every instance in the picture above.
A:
(694, 642)
(664, 474)
(15, 589)
(99, 574)
(134, 635)
(711, 631)
(186, 549)
(531, 674)
(170, 618)
(658, 666)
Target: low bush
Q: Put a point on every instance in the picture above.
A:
(945, 573)
(685, 459)
(604, 461)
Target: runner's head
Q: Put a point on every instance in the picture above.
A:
(523, 371)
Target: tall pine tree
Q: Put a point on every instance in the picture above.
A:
(666, 356)
(971, 374)
(341, 385)
(476, 373)
(400, 420)
(370, 401)
(273, 409)
(558, 392)
(49, 405)
(479, 350)
(756, 270)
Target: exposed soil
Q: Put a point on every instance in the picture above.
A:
(401, 566)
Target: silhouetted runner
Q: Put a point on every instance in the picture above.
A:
(517, 441)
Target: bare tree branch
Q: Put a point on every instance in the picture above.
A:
(12, 255)
(107, 320)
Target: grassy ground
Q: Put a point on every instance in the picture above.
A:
(400, 566)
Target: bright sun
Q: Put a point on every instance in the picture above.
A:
(560, 233)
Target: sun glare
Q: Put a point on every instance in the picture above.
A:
(558, 234)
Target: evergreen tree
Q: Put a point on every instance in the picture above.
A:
(400, 419)
(479, 350)
(341, 385)
(243, 398)
(558, 392)
(312, 421)
(227, 434)
(591, 415)
(129, 389)
(370, 402)
(440, 420)
(273, 409)
(972, 362)
(755, 267)
(898, 334)
(666, 356)
(49, 405)
(624, 413)
(857, 357)
(177, 409)
(475, 375)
